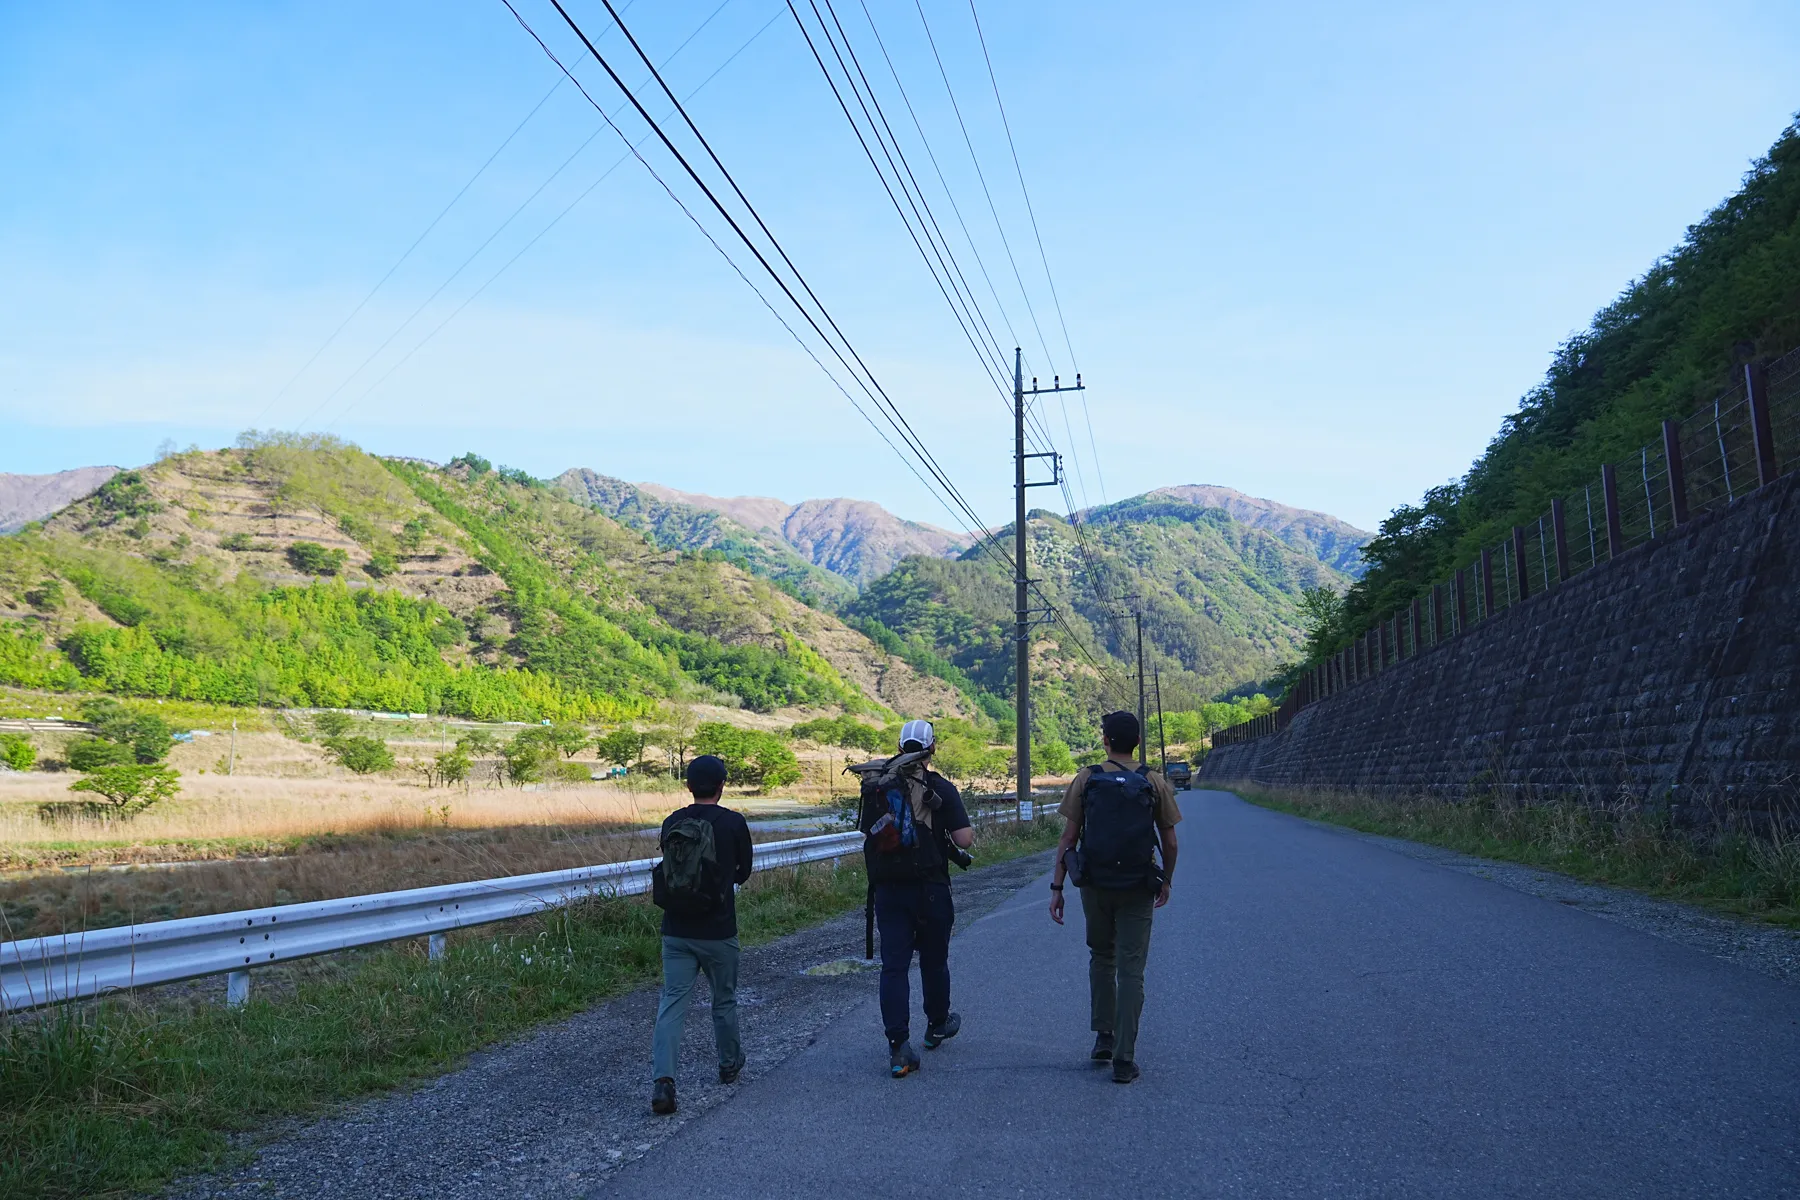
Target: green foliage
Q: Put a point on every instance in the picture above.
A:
(47, 596)
(476, 465)
(381, 565)
(1665, 347)
(521, 478)
(144, 733)
(528, 756)
(94, 753)
(125, 495)
(363, 755)
(26, 661)
(622, 747)
(478, 743)
(331, 724)
(569, 737)
(236, 541)
(129, 787)
(751, 756)
(843, 731)
(313, 559)
(17, 752)
(1052, 757)
(449, 767)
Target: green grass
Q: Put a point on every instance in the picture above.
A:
(1719, 867)
(121, 1095)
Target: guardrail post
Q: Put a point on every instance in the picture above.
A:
(1615, 524)
(1487, 584)
(1677, 475)
(1518, 545)
(1559, 529)
(435, 947)
(237, 989)
(1762, 427)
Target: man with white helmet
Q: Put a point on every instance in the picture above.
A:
(913, 816)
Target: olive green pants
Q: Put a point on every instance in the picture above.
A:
(1118, 938)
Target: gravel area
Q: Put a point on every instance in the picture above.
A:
(1770, 949)
(556, 1112)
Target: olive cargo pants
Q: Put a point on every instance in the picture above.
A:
(1118, 938)
(683, 960)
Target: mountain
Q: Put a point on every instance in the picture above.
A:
(27, 498)
(857, 540)
(1326, 538)
(677, 526)
(299, 570)
(1220, 599)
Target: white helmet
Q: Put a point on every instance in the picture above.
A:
(918, 731)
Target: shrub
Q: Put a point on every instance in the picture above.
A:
(751, 756)
(331, 724)
(125, 495)
(1053, 758)
(17, 752)
(235, 541)
(47, 596)
(147, 734)
(573, 772)
(842, 731)
(477, 465)
(130, 787)
(314, 559)
(528, 756)
(363, 755)
(380, 566)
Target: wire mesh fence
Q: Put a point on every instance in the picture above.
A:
(1742, 440)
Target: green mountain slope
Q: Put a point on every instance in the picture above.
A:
(1665, 347)
(302, 571)
(1221, 604)
(676, 526)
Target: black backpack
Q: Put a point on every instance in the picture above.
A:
(686, 881)
(1118, 832)
(897, 817)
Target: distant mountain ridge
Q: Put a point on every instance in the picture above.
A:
(857, 540)
(1335, 542)
(28, 498)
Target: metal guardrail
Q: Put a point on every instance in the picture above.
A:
(52, 970)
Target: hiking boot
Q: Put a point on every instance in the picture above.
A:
(728, 1072)
(903, 1061)
(662, 1096)
(1103, 1047)
(1124, 1070)
(936, 1035)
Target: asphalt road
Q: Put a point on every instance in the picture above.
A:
(1325, 1018)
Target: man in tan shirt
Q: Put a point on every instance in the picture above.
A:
(1122, 885)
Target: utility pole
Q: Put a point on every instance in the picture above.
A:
(1137, 615)
(1021, 573)
(1162, 741)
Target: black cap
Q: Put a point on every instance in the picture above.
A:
(706, 775)
(1121, 730)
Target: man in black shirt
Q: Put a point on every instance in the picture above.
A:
(703, 941)
(913, 912)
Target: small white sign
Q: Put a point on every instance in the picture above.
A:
(1025, 810)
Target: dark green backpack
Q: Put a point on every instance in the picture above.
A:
(686, 881)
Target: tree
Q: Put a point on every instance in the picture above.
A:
(363, 755)
(332, 724)
(17, 752)
(1322, 617)
(570, 737)
(1185, 728)
(95, 753)
(751, 756)
(622, 747)
(130, 787)
(380, 565)
(1052, 757)
(449, 767)
(313, 559)
(527, 756)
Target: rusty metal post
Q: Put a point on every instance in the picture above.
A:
(1487, 584)
(1418, 624)
(1762, 428)
(1437, 615)
(1518, 548)
(1615, 525)
(1559, 529)
(1677, 475)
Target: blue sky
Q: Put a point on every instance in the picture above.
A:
(1312, 251)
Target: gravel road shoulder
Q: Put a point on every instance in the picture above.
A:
(556, 1112)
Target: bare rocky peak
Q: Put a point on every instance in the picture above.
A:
(26, 498)
(1333, 541)
(857, 539)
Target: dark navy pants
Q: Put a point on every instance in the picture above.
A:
(913, 916)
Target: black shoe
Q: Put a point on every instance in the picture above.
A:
(1103, 1047)
(903, 1061)
(1124, 1070)
(728, 1072)
(943, 1031)
(662, 1096)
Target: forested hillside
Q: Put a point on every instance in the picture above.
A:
(1221, 603)
(1669, 344)
(302, 571)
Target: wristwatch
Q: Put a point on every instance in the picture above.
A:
(1056, 887)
